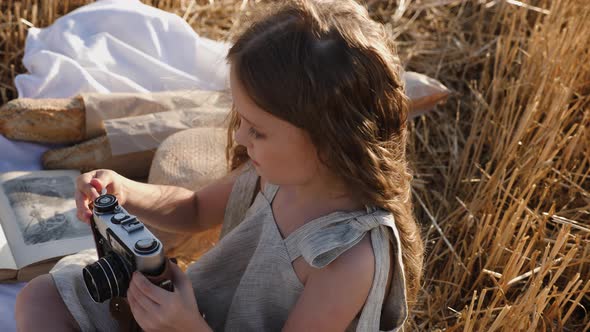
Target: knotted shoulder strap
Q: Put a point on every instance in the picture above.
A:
(321, 241)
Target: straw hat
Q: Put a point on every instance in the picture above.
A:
(191, 158)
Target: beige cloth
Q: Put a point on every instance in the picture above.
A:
(137, 122)
(247, 282)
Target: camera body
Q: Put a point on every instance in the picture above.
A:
(124, 245)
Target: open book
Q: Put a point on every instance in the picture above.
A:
(38, 222)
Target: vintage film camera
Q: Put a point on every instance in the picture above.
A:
(124, 245)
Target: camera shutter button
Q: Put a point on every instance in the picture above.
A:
(146, 246)
(117, 218)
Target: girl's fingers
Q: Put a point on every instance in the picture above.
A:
(84, 194)
(154, 293)
(82, 211)
(83, 185)
(142, 301)
(137, 309)
(88, 188)
(102, 180)
(96, 184)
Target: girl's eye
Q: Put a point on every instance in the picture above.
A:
(254, 133)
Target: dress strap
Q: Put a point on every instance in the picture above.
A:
(380, 313)
(269, 191)
(240, 199)
(322, 240)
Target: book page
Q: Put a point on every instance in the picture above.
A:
(42, 221)
(6, 258)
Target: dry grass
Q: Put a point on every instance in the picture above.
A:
(502, 170)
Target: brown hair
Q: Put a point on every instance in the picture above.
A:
(326, 67)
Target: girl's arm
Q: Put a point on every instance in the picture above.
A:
(172, 209)
(335, 294)
(179, 210)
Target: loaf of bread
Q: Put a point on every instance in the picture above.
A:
(96, 153)
(44, 120)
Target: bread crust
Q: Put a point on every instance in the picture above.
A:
(44, 120)
(96, 153)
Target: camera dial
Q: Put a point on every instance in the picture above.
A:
(105, 203)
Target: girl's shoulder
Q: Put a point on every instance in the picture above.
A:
(358, 270)
(335, 294)
(367, 247)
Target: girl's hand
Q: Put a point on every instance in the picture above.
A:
(89, 185)
(156, 309)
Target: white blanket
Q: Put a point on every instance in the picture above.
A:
(20, 156)
(108, 46)
(7, 298)
(119, 46)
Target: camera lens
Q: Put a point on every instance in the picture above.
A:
(106, 278)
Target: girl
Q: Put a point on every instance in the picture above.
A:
(317, 227)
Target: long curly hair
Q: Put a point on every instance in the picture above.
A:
(326, 67)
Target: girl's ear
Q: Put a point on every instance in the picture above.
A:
(323, 157)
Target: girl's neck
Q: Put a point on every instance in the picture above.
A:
(321, 194)
(298, 204)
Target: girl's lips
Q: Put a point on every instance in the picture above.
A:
(253, 161)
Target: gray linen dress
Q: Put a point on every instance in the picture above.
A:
(247, 281)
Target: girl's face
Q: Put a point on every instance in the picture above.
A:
(282, 153)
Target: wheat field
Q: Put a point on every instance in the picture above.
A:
(502, 169)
